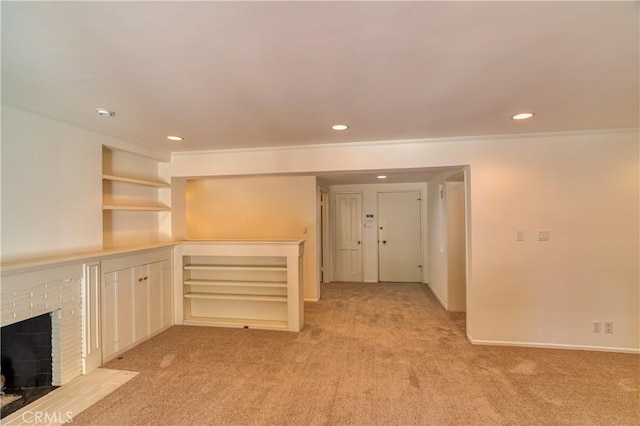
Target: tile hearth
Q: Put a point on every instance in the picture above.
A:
(60, 406)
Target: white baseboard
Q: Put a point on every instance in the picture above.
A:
(444, 305)
(553, 346)
(370, 281)
(317, 299)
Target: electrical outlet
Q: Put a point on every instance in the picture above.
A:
(597, 327)
(608, 327)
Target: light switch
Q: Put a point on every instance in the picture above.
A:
(519, 235)
(543, 235)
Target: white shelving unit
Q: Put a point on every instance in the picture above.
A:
(253, 284)
(134, 199)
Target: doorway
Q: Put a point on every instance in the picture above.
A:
(399, 237)
(348, 237)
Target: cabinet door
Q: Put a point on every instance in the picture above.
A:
(167, 294)
(141, 297)
(109, 317)
(155, 297)
(92, 356)
(124, 308)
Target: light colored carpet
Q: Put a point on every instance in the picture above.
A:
(369, 354)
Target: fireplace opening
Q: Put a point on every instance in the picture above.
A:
(26, 348)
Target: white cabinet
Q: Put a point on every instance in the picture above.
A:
(253, 284)
(124, 309)
(134, 300)
(155, 282)
(117, 312)
(141, 298)
(108, 298)
(149, 282)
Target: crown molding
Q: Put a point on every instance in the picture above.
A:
(408, 141)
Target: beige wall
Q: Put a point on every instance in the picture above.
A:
(456, 246)
(277, 208)
(583, 187)
(52, 185)
(46, 208)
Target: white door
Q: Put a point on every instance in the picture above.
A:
(141, 297)
(399, 237)
(155, 297)
(109, 315)
(348, 241)
(124, 308)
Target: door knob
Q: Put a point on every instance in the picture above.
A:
(384, 241)
(358, 242)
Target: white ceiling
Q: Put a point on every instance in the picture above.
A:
(258, 74)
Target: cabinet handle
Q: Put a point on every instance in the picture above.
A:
(145, 278)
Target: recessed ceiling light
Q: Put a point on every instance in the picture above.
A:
(175, 138)
(382, 177)
(523, 116)
(105, 112)
(339, 127)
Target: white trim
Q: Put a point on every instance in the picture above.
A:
(371, 281)
(317, 299)
(444, 305)
(552, 346)
(406, 141)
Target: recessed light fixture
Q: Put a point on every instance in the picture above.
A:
(102, 112)
(339, 127)
(523, 116)
(382, 177)
(175, 138)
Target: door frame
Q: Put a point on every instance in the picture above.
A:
(325, 266)
(465, 174)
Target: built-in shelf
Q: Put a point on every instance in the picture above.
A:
(145, 182)
(136, 208)
(235, 268)
(236, 322)
(256, 284)
(135, 200)
(233, 296)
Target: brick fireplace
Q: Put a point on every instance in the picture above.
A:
(57, 294)
(26, 353)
